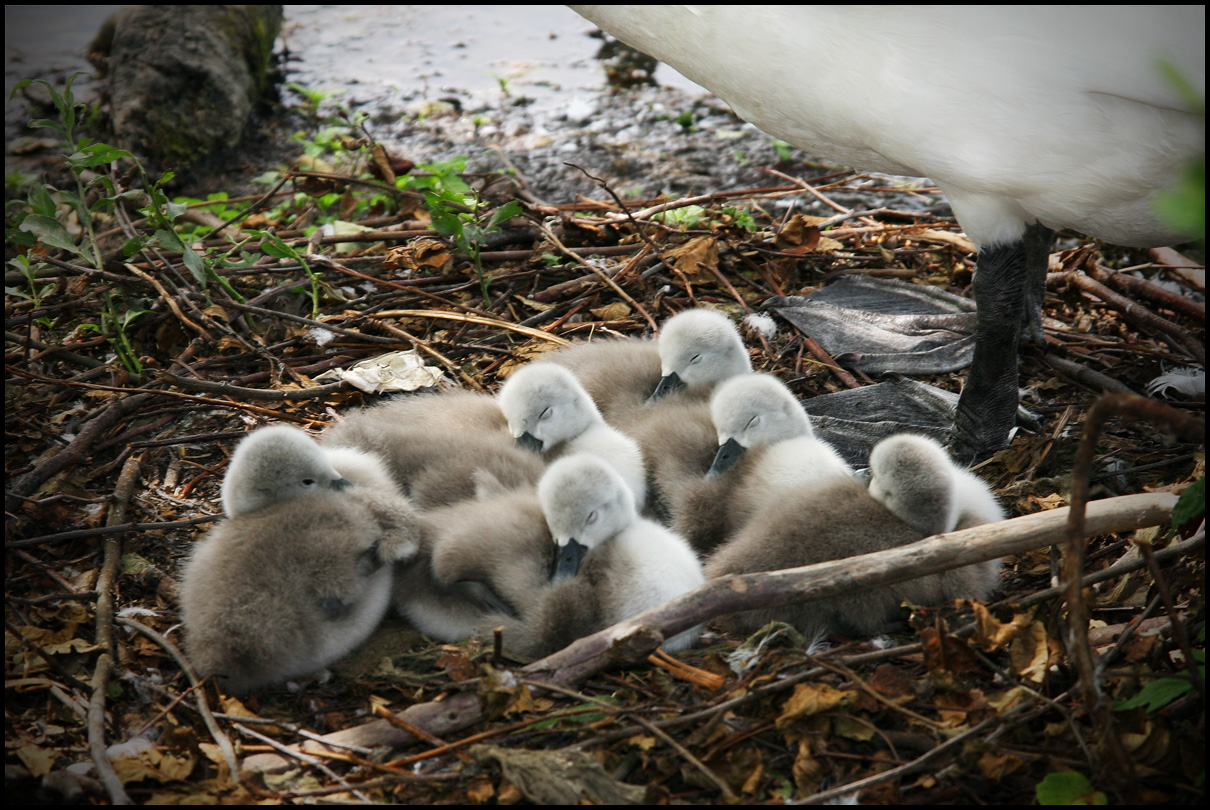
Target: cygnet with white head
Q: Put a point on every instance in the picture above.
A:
(758, 410)
(550, 412)
(611, 564)
(920, 484)
(699, 348)
(696, 349)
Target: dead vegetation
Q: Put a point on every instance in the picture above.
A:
(129, 380)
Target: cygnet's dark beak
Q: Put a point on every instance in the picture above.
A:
(340, 484)
(529, 442)
(668, 384)
(567, 564)
(728, 453)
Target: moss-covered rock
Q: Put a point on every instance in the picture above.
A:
(185, 79)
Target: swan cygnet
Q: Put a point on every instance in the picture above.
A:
(913, 494)
(611, 564)
(619, 373)
(758, 410)
(678, 442)
(764, 444)
(827, 520)
(487, 555)
(696, 349)
(436, 445)
(919, 483)
(287, 589)
(550, 412)
(274, 463)
(699, 348)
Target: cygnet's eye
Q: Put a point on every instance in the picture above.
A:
(753, 422)
(546, 414)
(591, 519)
(333, 609)
(696, 359)
(308, 482)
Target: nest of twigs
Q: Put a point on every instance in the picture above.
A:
(118, 432)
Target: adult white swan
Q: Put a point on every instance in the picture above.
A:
(1028, 118)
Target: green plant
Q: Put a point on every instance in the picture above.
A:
(42, 220)
(115, 319)
(456, 211)
(1184, 206)
(47, 208)
(1159, 693)
(314, 98)
(35, 292)
(274, 246)
(695, 216)
(16, 183)
(784, 150)
(1068, 787)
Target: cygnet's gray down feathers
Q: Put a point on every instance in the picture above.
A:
(289, 588)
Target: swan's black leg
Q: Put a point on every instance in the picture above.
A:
(1010, 284)
(1038, 241)
(988, 406)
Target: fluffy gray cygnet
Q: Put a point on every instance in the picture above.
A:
(837, 518)
(273, 463)
(919, 483)
(284, 590)
(611, 564)
(486, 555)
(696, 349)
(765, 443)
(437, 445)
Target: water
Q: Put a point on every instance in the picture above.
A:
(541, 52)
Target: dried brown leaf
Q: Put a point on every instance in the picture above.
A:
(810, 699)
(997, 766)
(617, 311)
(992, 634)
(696, 257)
(156, 764)
(38, 761)
(1029, 652)
(418, 254)
(892, 683)
(559, 777)
(946, 653)
(807, 770)
(480, 790)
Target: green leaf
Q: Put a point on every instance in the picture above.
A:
(168, 239)
(1191, 505)
(1156, 695)
(197, 267)
(41, 201)
(131, 247)
(1068, 788)
(278, 249)
(504, 213)
(49, 232)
